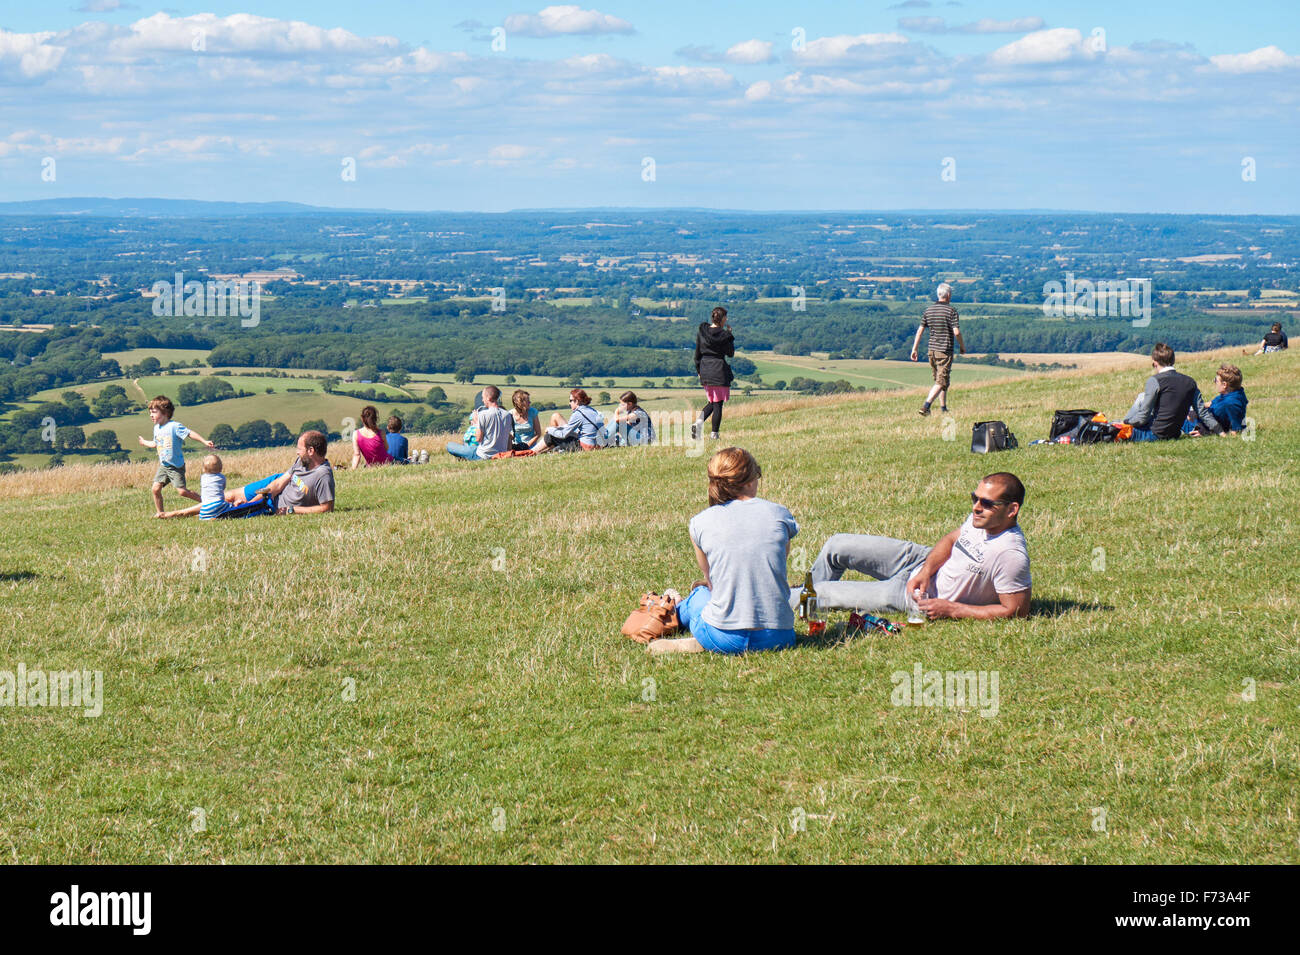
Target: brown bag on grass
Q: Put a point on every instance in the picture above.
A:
(655, 618)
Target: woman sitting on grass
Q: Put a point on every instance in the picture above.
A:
(631, 425)
(584, 431)
(528, 430)
(370, 444)
(741, 543)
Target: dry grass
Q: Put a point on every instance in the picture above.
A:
(240, 467)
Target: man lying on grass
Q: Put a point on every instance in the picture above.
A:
(307, 487)
(979, 570)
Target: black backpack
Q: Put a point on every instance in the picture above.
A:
(1096, 432)
(991, 436)
(1069, 423)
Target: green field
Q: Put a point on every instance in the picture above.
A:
(868, 373)
(434, 672)
(165, 355)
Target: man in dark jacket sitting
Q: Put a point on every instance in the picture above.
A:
(1159, 412)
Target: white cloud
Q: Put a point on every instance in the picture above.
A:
(594, 63)
(819, 85)
(815, 84)
(417, 61)
(1045, 46)
(244, 34)
(30, 53)
(687, 77)
(986, 25)
(750, 51)
(565, 20)
(512, 152)
(758, 91)
(105, 6)
(1256, 61)
(845, 48)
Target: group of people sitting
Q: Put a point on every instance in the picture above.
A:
(1170, 404)
(742, 542)
(495, 432)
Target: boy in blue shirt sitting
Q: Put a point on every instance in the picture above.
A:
(398, 449)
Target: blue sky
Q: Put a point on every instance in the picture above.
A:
(810, 105)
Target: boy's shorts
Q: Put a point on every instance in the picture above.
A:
(941, 365)
(170, 475)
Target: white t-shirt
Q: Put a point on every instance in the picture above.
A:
(981, 567)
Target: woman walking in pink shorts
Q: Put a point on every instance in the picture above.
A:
(714, 344)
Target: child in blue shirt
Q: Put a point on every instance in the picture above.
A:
(398, 449)
(168, 436)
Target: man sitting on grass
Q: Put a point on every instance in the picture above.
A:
(979, 570)
(1167, 401)
(307, 487)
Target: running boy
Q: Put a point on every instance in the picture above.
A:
(168, 436)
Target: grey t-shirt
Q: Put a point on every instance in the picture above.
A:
(307, 488)
(746, 543)
(498, 425)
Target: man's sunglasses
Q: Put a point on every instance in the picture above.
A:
(985, 503)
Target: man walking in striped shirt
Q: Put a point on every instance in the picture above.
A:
(941, 319)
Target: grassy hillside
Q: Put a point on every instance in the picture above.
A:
(869, 373)
(499, 716)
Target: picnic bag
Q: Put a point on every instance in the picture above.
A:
(656, 617)
(1069, 423)
(1097, 431)
(989, 436)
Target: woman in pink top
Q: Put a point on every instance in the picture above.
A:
(370, 444)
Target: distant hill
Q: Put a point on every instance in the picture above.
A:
(102, 206)
(162, 207)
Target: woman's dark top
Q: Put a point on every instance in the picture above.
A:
(713, 346)
(1275, 339)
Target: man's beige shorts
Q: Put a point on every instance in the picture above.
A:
(941, 365)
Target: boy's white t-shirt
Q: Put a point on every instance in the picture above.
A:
(212, 495)
(981, 567)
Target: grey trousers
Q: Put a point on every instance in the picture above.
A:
(891, 562)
